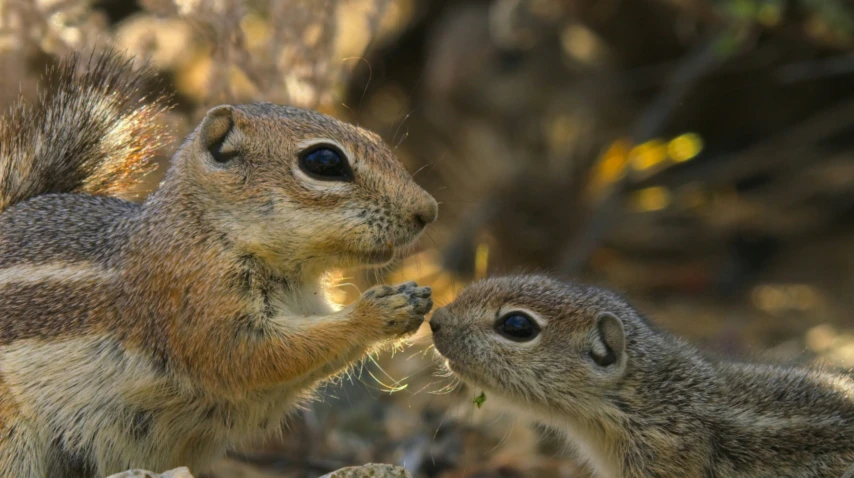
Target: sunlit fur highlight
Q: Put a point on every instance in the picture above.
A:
(89, 131)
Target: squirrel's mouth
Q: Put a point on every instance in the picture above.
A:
(462, 368)
(374, 257)
(379, 256)
(467, 375)
(441, 351)
(391, 249)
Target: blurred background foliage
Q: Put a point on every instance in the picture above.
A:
(697, 155)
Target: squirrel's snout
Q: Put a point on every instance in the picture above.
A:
(426, 212)
(436, 320)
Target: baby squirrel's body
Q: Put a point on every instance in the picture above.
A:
(158, 335)
(635, 401)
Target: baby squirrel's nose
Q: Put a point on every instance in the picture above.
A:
(436, 320)
(426, 212)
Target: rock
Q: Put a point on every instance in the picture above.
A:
(371, 470)
(182, 472)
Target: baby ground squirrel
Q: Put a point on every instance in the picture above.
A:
(635, 401)
(157, 335)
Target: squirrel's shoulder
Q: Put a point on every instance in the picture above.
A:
(62, 228)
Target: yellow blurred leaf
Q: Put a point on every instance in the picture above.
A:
(684, 147)
(650, 199)
(648, 155)
(481, 260)
(256, 31)
(610, 167)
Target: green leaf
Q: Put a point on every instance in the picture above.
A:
(479, 400)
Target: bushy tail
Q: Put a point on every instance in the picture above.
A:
(90, 131)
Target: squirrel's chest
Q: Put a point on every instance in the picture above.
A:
(306, 299)
(181, 427)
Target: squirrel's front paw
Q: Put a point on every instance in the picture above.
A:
(399, 309)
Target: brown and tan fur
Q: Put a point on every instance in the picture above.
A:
(657, 407)
(160, 334)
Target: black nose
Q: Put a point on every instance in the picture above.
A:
(420, 220)
(436, 319)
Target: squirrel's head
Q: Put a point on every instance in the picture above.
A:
(536, 341)
(293, 186)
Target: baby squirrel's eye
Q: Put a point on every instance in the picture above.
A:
(325, 163)
(517, 326)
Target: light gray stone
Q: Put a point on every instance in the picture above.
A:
(176, 473)
(371, 470)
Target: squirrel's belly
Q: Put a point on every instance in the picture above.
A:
(114, 410)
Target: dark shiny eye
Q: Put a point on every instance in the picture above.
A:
(517, 326)
(326, 164)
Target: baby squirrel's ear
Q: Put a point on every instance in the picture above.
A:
(217, 125)
(608, 340)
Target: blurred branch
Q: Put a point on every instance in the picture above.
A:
(695, 65)
(828, 23)
(815, 69)
(767, 154)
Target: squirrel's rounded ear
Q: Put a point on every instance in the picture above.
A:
(608, 340)
(216, 126)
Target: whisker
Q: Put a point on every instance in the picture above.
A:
(370, 77)
(351, 112)
(421, 169)
(405, 135)
(402, 122)
(504, 439)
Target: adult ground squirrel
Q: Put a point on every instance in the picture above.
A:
(635, 401)
(157, 335)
